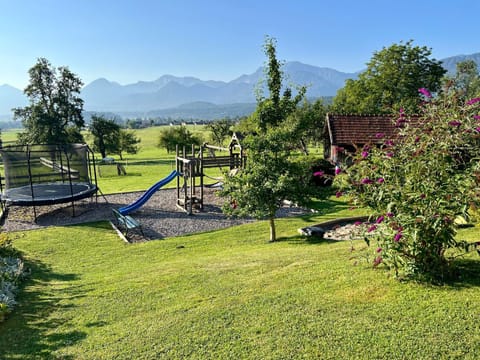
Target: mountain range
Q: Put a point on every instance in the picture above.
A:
(190, 97)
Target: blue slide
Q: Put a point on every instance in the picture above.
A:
(148, 194)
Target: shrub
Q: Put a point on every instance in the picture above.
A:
(418, 183)
(11, 273)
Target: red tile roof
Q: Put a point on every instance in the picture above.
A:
(360, 129)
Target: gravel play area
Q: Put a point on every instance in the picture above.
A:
(160, 217)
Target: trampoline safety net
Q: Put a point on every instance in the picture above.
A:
(46, 174)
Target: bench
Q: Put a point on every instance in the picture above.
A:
(126, 222)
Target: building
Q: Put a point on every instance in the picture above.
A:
(343, 134)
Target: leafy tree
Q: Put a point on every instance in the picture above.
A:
(391, 82)
(465, 84)
(270, 175)
(307, 122)
(128, 142)
(106, 135)
(177, 135)
(54, 114)
(220, 130)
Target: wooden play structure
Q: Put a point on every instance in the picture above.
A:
(191, 165)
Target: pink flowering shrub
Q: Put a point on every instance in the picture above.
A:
(418, 183)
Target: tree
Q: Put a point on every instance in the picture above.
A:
(128, 142)
(308, 122)
(177, 135)
(106, 135)
(391, 82)
(465, 84)
(54, 115)
(220, 129)
(270, 175)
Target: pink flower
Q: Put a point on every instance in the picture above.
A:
(397, 237)
(476, 117)
(389, 142)
(389, 214)
(366, 181)
(378, 260)
(364, 154)
(379, 135)
(379, 249)
(380, 219)
(423, 196)
(372, 228)
(380, 180)
(402, 112)
(318, 173)
(454, 123)
(477, 129)
(358, 223)
(338, 194)
(389, 154)
(473, 101)
(425, 92)
(337, 170)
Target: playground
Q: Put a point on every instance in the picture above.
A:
(40, 189)
(159, 217)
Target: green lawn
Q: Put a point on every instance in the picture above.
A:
(230, 295)
(227, 294)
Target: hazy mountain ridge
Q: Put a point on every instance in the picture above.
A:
(167, 93)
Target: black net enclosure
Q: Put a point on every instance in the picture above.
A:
(47, 174)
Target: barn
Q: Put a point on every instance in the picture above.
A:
(343, 134)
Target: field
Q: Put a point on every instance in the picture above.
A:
(228, 294)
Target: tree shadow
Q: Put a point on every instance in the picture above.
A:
(33, 329)
(466, 274)
(310, 240)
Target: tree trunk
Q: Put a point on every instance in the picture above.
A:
(273, 235)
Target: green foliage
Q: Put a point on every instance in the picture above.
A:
(418, 183)
(106, 135)
(54, 115)
(466, 82)
(11, 273)
(220, 130)
(127, 142)
(177, 135)
(391, 81)
(270, 176)
(274, 109)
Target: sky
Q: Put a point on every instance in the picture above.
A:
(131, 40)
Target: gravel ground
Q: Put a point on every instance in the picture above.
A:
(160, 217)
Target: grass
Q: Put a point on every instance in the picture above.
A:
(229, 294)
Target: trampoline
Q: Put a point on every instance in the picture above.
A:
(38, 175)
(48, 194)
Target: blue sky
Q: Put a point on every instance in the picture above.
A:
(131, 40)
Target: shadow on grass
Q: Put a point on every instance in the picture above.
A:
(467, 273)
(33, 329)
(310, 240)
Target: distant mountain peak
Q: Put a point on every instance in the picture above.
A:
(171, 92)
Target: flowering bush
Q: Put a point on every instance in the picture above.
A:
(11, 272)
(418, 183)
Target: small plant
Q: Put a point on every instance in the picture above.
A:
(418, 183)
(11, 272)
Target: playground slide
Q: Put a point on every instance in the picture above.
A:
(148, 194)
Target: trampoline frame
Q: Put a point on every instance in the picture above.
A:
(35, 193)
